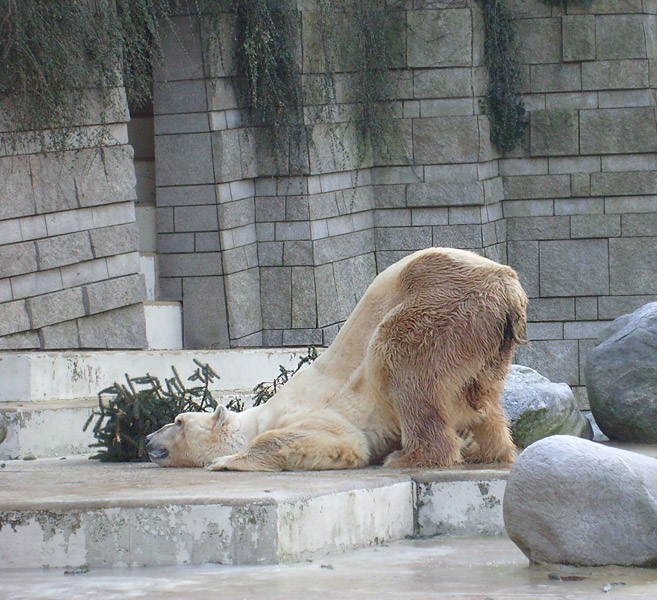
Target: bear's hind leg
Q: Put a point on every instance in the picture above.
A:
(490, 426)
(428, 437)
(298, 449)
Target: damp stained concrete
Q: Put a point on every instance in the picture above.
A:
(471, 568)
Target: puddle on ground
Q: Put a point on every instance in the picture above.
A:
(447, 568)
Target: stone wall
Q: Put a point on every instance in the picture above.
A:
(580, 192)
(68, 245)
(573, 208)
(261, 253)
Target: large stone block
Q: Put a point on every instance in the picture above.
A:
(458, 236)
(574, 268)
(454, 30)
(64, 250)
(632, 265)
(26, 340)
(539, 40)
(13, 317)
(555, 77)
(523, 257)
(114, 293)
(276, 297)
(555, 359)
(615, 74)
(16, 183)
(619, 36)
(639, 225)
(611, 307)
(627, 183)
(182, 56)
(352, 278)
(624, 130)
(190, 265)
(403, 238)
(551, 309)
(329, 311)
(123, 328)
(442, 83)
(53, 180)
(56, 307)
(16, 259)
(331, 249)
(554, 132)
(536, 186)
(118, 239)
(538, 228)
(446, 140)
(595, 226)
(578, 37)
(62, 336)
(444, 193)
(205, 322)
(39, 282)
(201, 218)
(184, 159)
(304, 301)
(173, 97)
(243, 300)
(298, 252)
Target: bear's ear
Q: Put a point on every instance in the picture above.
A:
(219, 415)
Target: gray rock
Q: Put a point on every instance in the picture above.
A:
(3, 428)
(621, 377)
(575, 502)
(537, 408)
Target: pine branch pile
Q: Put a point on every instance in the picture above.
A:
(128, 412)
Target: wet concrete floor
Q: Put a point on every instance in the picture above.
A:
(446, 568)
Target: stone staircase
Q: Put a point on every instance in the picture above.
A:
(59, 509)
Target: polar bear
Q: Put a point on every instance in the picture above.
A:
(423, 355)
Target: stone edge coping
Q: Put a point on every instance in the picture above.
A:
(272, 486)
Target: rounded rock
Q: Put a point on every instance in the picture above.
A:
(575, 502)
(537, 407)
(621, 377)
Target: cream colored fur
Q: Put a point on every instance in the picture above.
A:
(423, 355)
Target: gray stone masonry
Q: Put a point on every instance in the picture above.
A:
(68, 247)
(262, 252)
(572, 208)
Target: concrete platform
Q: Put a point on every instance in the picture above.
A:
(444, 568)
(73, 512)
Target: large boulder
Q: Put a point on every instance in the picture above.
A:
(621, 377)
(537, 407)
(574, 502)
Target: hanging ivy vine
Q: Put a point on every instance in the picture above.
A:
(60, 61)
(502, 102)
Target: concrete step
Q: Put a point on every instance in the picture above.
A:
(76, 512)
(53, 429)
(63, 376)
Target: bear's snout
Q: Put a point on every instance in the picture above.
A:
(155, 450)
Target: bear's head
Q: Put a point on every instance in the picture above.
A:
(194, 439)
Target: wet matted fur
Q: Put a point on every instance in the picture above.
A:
(423, 356)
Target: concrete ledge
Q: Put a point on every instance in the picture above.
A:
(57, 376)
(74, 512)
